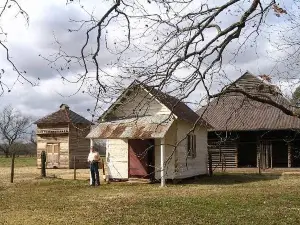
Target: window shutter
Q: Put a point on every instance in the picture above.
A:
(189, 145)
(194, 146)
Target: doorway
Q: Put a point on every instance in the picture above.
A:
(52, 159)
(141, 163)
(247, 154)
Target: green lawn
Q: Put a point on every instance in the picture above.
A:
(222, 199)
(19, 161)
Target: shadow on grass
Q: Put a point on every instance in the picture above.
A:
(228, 179)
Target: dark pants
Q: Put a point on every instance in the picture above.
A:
(94, 167)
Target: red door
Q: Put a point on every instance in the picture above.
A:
(141, 158)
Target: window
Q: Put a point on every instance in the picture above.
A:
(191, 145)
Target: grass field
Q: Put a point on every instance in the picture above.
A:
(222, 199)
(19, 161)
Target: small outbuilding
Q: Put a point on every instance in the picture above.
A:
(152, 135)
(62, 136)
(248, 133)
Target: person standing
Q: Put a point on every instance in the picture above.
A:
(94, 159)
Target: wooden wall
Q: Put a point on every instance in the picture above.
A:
(140, 103)
(170, 153)
(79, 145)
(224, 155)
(63, 141)
(117, 158)
(187, 166)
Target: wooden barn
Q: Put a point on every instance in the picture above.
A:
(62, 136)
(150, 135)
(248, 133)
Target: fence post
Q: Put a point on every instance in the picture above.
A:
(210, 171)
(12, 173)
(43, 164)
(74, 165)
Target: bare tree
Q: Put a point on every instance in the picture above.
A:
(13, 128)
(7, 7)
(175, 46)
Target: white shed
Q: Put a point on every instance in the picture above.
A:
(152, 135)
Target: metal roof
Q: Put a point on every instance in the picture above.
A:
(138, 127)
(235, 112)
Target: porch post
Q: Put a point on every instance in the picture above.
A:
(91, 145)
(162, 163)
(289, 155)
(271, 154)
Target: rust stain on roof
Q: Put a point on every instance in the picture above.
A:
(143, 127)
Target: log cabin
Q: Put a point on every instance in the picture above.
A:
(248, 133)
(152, 135)
(62, 136)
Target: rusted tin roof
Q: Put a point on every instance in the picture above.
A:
(235, 112)
(138, 128)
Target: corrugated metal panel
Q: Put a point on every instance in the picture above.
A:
(142, 127)
(235, 112)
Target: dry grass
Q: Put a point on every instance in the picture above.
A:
(222, 199)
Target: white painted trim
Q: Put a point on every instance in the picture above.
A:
(162, 163)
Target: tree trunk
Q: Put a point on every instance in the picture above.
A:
(6, 154)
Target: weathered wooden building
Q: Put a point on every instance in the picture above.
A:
(248, 132)
(151, 135)
(62, 135)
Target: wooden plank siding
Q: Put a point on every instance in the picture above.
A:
(117, 158)
(187, 166)
(62, 140)
(71, 144)
(170, 153)
(224, 154)
(140, 103)
(79, 145)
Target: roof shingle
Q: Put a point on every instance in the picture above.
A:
(235, 112)
(63, 116)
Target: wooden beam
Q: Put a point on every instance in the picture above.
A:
(162, 163)
(289, 155)
(271, 155)
(91, 145)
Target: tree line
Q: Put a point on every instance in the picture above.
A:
(16, 133)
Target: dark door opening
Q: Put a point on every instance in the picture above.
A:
(141, 158)
(279, 154)
(296, 154)
(247, 156)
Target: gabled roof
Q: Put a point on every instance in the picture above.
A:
(63, 115)
(235, 112)
(178, 108)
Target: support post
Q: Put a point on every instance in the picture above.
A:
(268, 156)
(271, 155)
(74, 165)
(210, 171)
(12, 168)
(289, 155)
(258, 147)
(91, 145)
(43, 164)
(162, 163)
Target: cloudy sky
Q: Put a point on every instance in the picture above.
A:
(51, 17)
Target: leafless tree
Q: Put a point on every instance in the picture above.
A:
(7, 7)
(33, 137)
(13, 128)
(175, 46)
